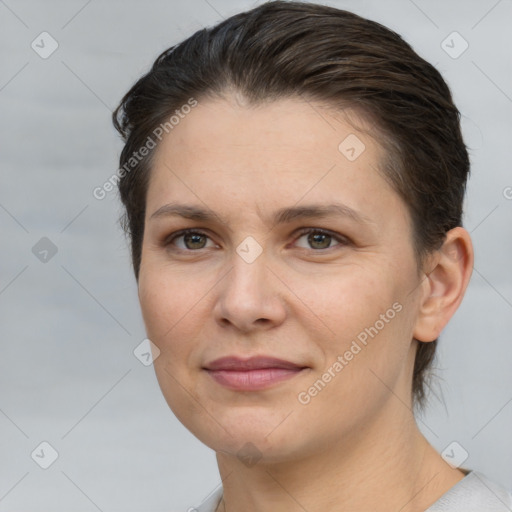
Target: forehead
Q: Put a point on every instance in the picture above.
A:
(227, 153)
(286, 125)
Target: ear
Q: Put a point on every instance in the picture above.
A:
(444, 285)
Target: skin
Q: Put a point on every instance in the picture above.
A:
(355, 446)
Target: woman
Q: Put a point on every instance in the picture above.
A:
(293, 180)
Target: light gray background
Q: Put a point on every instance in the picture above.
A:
(69, 326)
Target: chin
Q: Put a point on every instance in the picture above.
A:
(251, 437)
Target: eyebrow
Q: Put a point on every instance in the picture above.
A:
(281, 216)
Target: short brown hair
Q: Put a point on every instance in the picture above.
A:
(284, 49)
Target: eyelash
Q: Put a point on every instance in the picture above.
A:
(343, 241)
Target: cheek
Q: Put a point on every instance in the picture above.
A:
(369, 327)
(351, 300)
(169, 308)
(167, 301)
(153, 302)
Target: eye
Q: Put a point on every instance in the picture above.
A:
(321, 239)
(192, 240)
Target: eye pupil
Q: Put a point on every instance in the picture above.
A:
(193, 238)
(321, 238)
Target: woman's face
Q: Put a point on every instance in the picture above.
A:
(264, 273)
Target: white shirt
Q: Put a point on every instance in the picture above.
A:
(474, 493)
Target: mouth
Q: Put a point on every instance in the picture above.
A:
(253, 374)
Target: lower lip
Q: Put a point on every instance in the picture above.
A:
(252, 380)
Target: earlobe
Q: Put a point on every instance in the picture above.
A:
(443, 287)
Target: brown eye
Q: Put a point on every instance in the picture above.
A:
(192, 240)
(319, 239)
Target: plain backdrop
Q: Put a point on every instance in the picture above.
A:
(69, 316)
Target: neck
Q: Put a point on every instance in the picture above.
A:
(387, 466)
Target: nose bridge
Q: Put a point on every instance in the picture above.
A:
(249, 269)
(248, 292)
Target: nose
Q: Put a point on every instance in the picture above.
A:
(250, 296)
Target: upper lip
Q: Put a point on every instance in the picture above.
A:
(253, 363)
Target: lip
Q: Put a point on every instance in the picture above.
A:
(253, 374)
